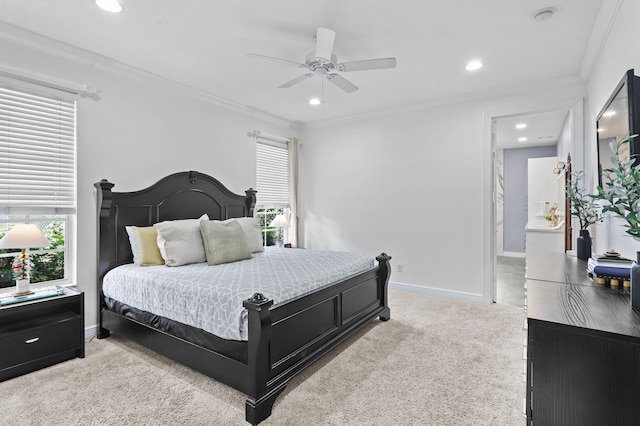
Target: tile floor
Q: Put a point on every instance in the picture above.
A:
(510, 281)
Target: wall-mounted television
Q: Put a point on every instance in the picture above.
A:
(619, 118)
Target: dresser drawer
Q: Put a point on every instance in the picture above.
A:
(54, 334)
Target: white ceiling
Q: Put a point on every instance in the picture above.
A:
(204, 44)
(541, 129)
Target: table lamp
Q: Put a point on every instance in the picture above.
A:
(23, 236)
(279, 222)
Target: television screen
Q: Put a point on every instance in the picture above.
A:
(617, 120)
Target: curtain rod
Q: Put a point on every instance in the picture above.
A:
(83, 91)
(259, 135)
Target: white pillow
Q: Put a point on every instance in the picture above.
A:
(180, 242)
(252, 233)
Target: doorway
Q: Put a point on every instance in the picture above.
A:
(517, 138)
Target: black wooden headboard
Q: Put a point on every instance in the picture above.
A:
(184, 195)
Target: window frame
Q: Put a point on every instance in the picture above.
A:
(43, 215)
(278, 200)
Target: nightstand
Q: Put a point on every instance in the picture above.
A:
(38, 333)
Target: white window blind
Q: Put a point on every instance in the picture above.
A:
(272, 174)
(37, 153)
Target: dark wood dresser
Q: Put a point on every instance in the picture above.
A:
(583, 347)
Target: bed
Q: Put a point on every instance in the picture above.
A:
(282, 338)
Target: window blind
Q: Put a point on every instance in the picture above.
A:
(37, 153)
(272, 174)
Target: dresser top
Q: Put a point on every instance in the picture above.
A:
(559, 291)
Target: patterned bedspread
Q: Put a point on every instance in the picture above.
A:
(210, 297)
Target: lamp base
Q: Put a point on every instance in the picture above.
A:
(22, 287)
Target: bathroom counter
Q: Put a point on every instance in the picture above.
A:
(543, 238)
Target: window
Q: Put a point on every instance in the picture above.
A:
(266, 216)
(37, 177)
(272, 183)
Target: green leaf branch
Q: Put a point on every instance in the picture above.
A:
(583, 205)
(621, 188)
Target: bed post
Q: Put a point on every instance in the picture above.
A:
(250, 201)
(259, 401)
(384, 272)
(105, 241)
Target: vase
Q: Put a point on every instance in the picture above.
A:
(583, 245)
(635, 282)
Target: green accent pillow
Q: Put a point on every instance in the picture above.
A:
(224, 242)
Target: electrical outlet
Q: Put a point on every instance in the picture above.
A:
(399, 268)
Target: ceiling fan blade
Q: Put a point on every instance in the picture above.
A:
(295, 81)
(342, 83)
(368, 64)
(324, 43)
(271, 58)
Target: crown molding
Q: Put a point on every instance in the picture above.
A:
(601, 29)
(49, 46)
(561, 82)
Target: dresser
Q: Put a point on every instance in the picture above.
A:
(583, 347)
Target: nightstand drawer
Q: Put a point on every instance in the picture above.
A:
(54, 334)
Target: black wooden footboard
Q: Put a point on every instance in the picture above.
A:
(287, 338)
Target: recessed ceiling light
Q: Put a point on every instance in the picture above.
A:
(315, 101)
(600, 129)
(113, 6)
(473, 66)
(522, 139)
(521, 126)
(609, 113)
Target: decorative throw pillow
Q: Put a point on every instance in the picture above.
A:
(144, 245)
(224, 242)
(180, 241)
(252, 233)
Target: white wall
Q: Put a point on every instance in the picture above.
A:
(565, 139)
(416, 184)
(542, 187)
(141, 130)
(619, 54)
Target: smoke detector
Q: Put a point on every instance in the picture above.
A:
(543, 14)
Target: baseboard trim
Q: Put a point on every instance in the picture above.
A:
(450, 294)
(90, 332)
(513, 254)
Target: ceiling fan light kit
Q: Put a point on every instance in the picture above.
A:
(324, 63)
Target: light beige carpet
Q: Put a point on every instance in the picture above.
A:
(436, 362)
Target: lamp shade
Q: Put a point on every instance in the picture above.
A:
(24, 236)
(280, 221)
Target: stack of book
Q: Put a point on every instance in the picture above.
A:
(610, 267)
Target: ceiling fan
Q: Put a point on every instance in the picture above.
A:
(324, 63)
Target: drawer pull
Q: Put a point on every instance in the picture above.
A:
(35, 339)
